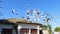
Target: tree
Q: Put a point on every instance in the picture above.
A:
(49, 26)
(46, 27)
(57, 29)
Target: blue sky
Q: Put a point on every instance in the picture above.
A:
(49, 6)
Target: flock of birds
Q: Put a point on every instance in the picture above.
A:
(34, 14)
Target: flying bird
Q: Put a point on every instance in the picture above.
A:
(13, 11)
(17, 13)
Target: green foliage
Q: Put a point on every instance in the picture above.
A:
(57, 29)
(45, 27)
(49, 26)
(50, 31)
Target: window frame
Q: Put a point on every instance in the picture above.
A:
(6, 31)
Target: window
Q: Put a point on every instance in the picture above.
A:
(24, 31)
(33, 31)
(6, 31)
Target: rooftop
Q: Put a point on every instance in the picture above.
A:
(17, 21)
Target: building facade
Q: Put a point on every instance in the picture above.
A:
(19, 26)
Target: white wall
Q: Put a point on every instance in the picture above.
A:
(45, 32)
(27, 26)
(56, 32)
